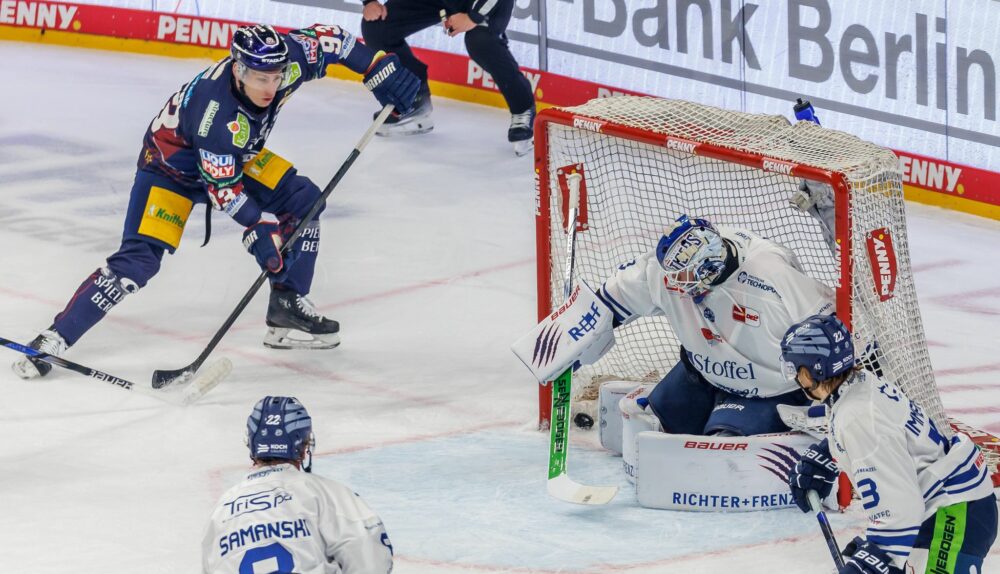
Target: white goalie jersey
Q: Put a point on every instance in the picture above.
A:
(280, 519)
(901, 465)
(733, 335)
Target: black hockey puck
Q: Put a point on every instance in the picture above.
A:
(583, 420)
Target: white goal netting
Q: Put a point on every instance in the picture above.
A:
(645, 161)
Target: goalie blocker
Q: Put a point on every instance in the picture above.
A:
(693, 472)
(578, 333)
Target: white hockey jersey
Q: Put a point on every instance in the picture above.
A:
(280, 519)
(733, 335)
(901, 465)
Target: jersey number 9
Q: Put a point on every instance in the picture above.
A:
(272, 558)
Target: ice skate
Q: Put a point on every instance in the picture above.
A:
(416, 121)
(521, 132)
(49, 342)
(293, 323)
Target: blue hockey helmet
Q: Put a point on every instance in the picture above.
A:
(821, 344)
(692, 255)
(278, 428)
(260, 48)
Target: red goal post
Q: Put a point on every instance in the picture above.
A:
(645, 161)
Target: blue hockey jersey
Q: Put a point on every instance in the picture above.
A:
(206, 132)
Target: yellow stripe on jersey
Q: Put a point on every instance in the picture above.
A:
(267, 168)
(165, 215)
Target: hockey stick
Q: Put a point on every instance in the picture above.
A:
(199, 386)
(559, 484)
(162, 378)
(824, 525)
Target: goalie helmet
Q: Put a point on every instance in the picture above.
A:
(821, 344)
(692, 255)
(259, 48)
(278, 428)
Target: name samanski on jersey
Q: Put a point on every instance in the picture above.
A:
(732, 336)
(204, 134)
(300, 521)
(879, 437)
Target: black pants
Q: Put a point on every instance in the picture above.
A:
(487, 45)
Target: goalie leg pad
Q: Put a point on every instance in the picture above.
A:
(609, 414)
(716, 474)
(747, 416)
(634, 425)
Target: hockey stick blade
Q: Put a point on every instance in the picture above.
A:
(207, 380)
(164, 378)
(565, 489)
(559, 484)
(212, 377)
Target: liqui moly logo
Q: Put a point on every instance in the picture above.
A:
(681, 145)
(588, 124)
(778, 166)
(882, 257)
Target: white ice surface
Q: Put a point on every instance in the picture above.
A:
(427, 262)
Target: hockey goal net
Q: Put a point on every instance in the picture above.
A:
(645, 161)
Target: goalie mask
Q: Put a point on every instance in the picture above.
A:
(280, 428)
(821, 344)
(692, 256)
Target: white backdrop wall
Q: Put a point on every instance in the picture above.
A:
(914, 75)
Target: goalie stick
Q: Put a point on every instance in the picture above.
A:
(205, 382)
(824, 525)
(559, 484)
(162, 378)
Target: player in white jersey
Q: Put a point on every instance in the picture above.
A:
(729, 295)
(929, 500)
(283, 519)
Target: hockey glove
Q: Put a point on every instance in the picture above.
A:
(264, 240)
(814, 471)
(391, 83)
(863, 557)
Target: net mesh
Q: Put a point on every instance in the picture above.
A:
(633, 190)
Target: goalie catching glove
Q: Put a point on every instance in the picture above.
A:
(578, 333)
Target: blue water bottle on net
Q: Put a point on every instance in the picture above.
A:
(804, 111)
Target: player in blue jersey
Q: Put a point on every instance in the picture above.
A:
(207, 146)
(929, 500)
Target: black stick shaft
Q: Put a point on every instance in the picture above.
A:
(70, 365)
(824, 525)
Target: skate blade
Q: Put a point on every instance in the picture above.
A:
(408, 127)
(524, 147)
(279, 338)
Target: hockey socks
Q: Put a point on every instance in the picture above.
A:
(98, 294)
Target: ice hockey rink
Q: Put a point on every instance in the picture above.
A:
(427, 261)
